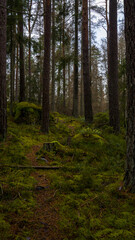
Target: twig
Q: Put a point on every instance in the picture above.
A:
(33, 167)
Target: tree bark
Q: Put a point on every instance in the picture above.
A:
(16, 94)
(12, 68)
(53, 58)
(75, 95)
(22, 75)
(63, 53)
(86, 72)
(113, 68)
(29, 27)
(46, 67)
(130, 67)
(3, 111)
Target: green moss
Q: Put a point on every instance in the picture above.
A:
(101, 120)
(4, 228)
(27, 113)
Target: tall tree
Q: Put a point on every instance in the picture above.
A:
(75, 95)
(113, 67)
(53, 57)
(46, 66)
(130, 58)
(20, 31)
(63, 55)
(29, 28)
(3, 114)
(86, 72)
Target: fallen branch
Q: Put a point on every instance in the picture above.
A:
(33, 167)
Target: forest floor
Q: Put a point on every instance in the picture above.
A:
(45, 220)
(83, 199)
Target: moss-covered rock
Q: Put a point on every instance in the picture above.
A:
(28, 113)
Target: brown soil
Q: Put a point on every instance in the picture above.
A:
(44, 223)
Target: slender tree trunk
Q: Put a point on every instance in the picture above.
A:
(113, 68)
(12, 67)
(75, 95)
(46, 66)
(53, 59)
(90, 40)
(86, 73)
(16, 95)
(130, 58)
(3, 111)
(63, 52)
(29, 27)
(22, 76)
(40, 92)
(81, 87)
(69, 86)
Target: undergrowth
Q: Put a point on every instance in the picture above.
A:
(92, 201)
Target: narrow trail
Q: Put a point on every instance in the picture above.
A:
(44, 223)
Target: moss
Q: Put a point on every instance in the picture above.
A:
(101, 120)
(27, 113)
(4, 228)
(91, 205)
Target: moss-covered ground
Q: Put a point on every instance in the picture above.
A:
(91, 200)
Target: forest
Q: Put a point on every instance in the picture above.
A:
(67, 120)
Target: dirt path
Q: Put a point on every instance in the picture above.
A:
(44, 224)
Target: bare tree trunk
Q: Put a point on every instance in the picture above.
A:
(86, 73)
(113, 68)
(22, 76)
(75, 95)
(12, 68)
(16, 95)
(29, 27)
(82, 85)
(90, 40)
(53, 59)
(69, 87)
(130, 58)
(3, 111)
(63, 52)
(46, 66)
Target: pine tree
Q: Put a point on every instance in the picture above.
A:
(113, 67)
(130, 63)
(46, 66)
(86, 73)
(75, 95)
(20, 31)
(3, 114)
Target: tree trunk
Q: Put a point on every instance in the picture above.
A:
(3, 111)
(86, 73)
(75, 95)
(12, 64)
(16, 94)
(22, 76)
(130, 58)
(63, 52)
(46, 67)
(90, 40)
(29, 27)
(53, 59)
(113, 68)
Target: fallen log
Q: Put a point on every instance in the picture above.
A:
(32, 167)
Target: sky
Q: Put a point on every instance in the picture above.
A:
(100, 31)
